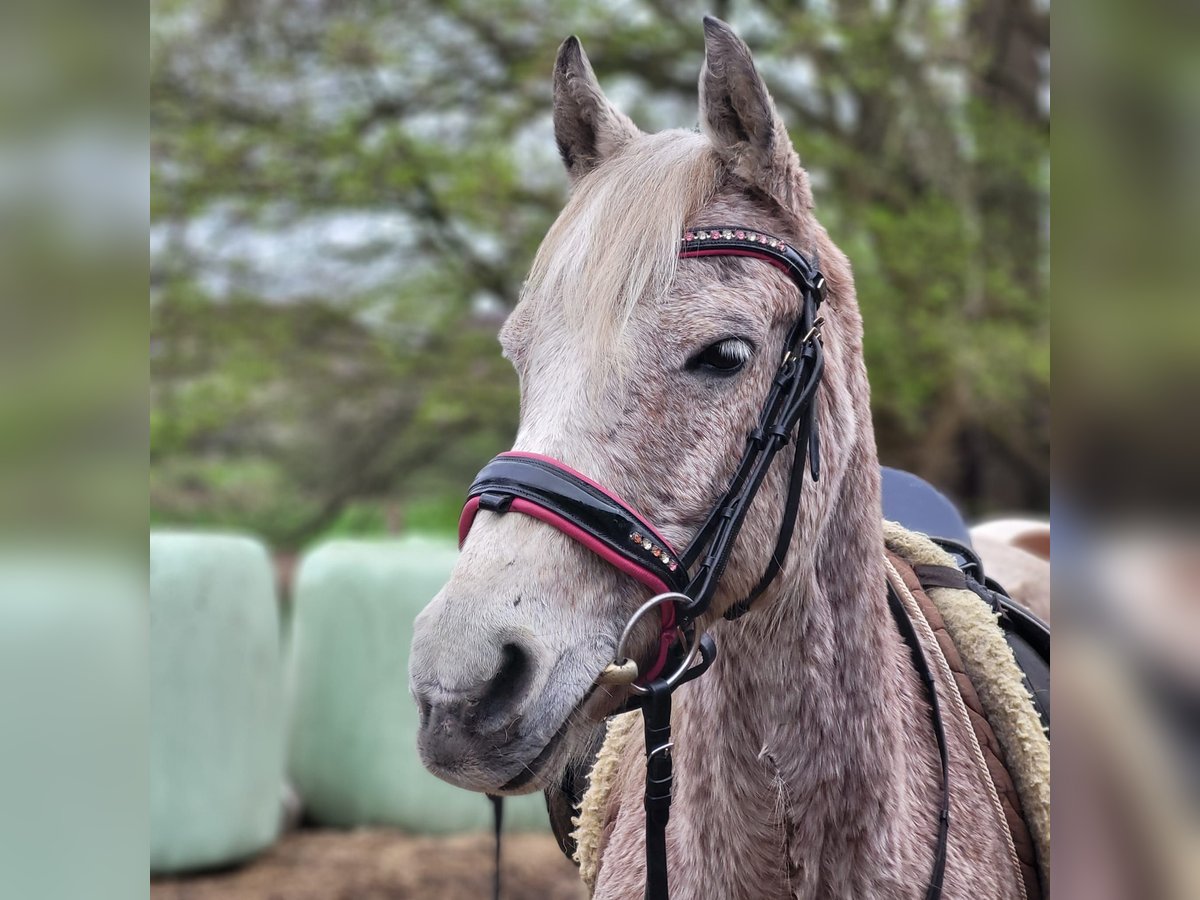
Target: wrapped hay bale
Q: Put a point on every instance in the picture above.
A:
(73, 750)
(217, 703)
(353, 733)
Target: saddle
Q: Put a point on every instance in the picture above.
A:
(999, 656)
(997, 652)
(919, 507)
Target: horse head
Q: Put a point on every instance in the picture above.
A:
(645, 372)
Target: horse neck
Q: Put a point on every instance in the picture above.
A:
(797, 733)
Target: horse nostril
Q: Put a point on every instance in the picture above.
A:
(510, 681)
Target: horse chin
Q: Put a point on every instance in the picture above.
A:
(527, 763)
(576, 737)
(522, 767)
(542, 771)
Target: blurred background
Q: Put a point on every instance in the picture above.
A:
(346, 197)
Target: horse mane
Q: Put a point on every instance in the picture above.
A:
(616, 241)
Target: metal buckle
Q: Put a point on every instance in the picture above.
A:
(625, 670)
(797, 351)
(814, 331)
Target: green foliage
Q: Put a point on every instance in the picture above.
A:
(437, 515)
(365, 396)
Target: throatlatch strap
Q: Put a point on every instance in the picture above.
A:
(787, 525)
(790, 405)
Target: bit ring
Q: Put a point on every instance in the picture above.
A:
(620, 671)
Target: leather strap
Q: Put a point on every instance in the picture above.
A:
(909, 632)
(656, 718)
(1026, 634)
(791, 403)
(734, 240)
(497, 825)
(806, 439)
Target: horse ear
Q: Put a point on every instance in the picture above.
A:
(739, 117)
(587, 127)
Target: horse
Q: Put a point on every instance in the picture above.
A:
(805, 761)
(1016, 552)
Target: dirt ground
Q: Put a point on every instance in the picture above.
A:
(373, 864)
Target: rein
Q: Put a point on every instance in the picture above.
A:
(685, 582)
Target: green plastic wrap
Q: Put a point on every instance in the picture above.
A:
(353, 745)
(216, 701)
(73, 738)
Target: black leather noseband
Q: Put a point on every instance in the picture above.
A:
(609, 528)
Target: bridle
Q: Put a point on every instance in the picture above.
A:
(553, 492)
(685, 582)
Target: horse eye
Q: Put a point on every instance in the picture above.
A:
(722, 358)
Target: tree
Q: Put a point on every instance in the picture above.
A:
(425, 132)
